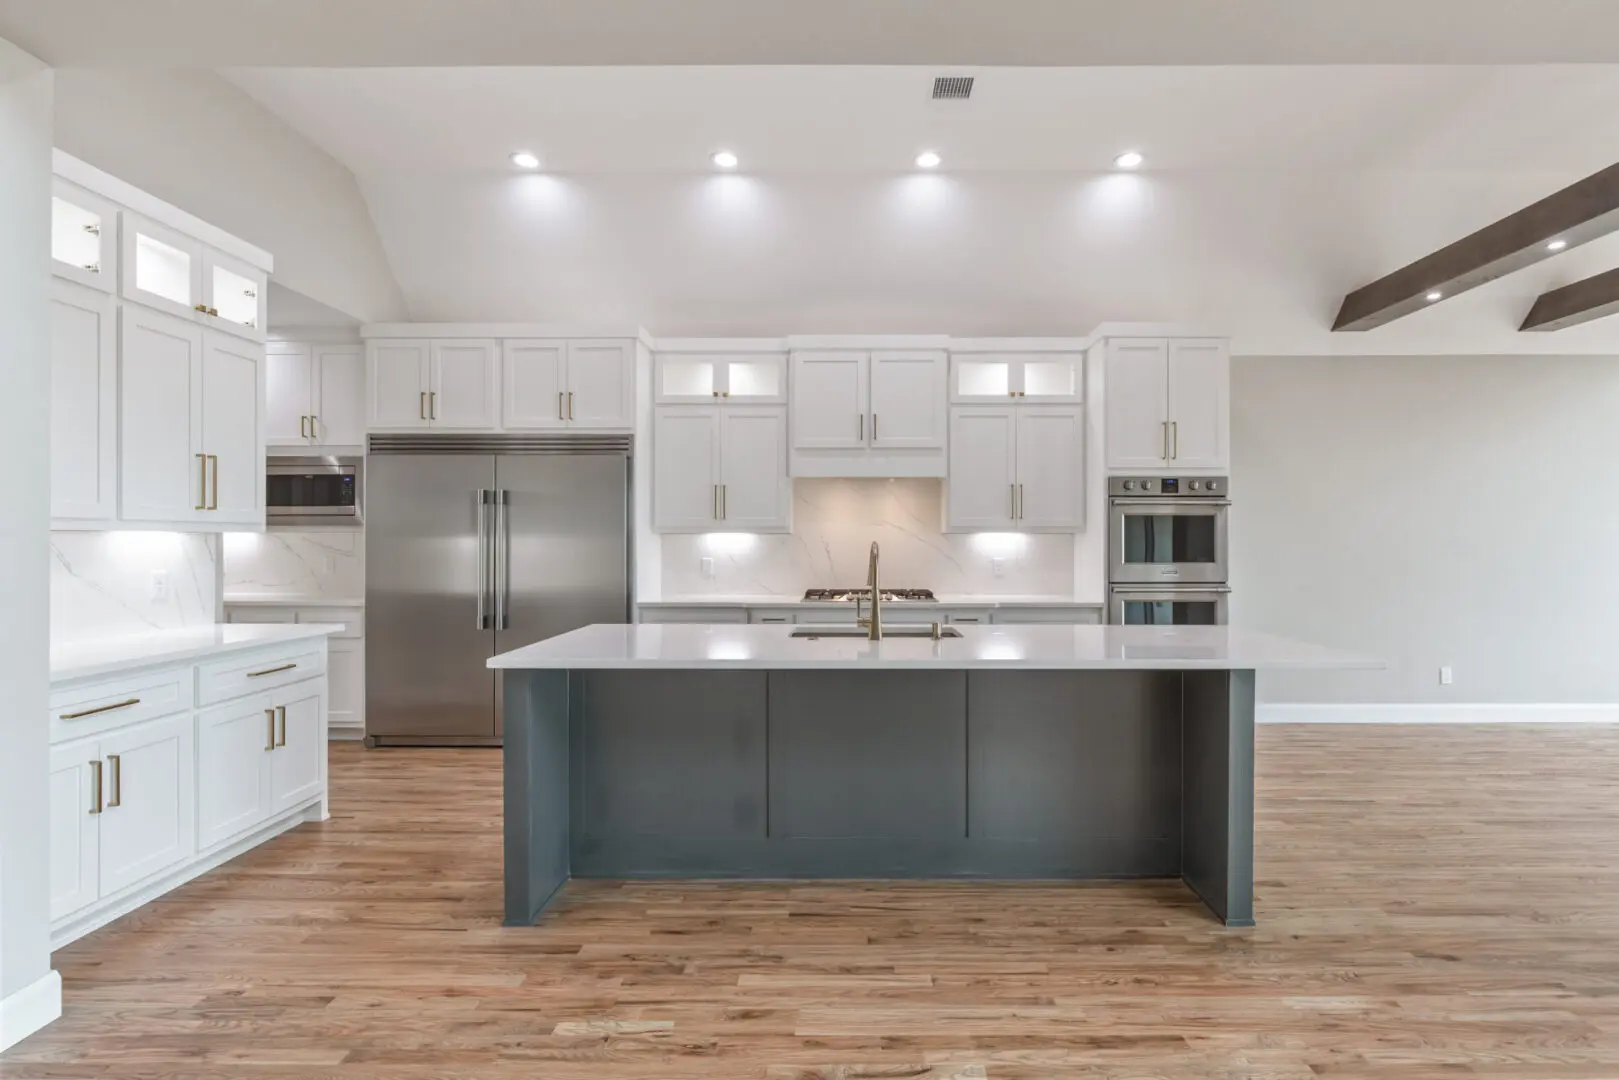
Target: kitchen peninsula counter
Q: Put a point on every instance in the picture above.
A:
(1010, 752)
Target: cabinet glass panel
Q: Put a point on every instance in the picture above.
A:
(236, 298)
(1171, 613)
(688, 378)
(162, 270)
(1048, 378)
(754, 379)
(76, 235)
(983, 378)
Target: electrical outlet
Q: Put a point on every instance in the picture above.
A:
(160, 586)
(707, 566)
(326, 566)
(997, 567)
(1446, 676)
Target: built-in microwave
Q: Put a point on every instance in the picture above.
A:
(304, 491)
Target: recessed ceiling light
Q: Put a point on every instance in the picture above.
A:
(1557, 245)
(928, 159)
(724, 159)
(526, 159)
(1433, 296)
(1130, 159)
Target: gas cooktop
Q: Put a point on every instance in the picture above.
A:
(850, 595)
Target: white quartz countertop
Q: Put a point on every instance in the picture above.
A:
(285, 600)
(108, 656)
(943, 600)
(1048, 647)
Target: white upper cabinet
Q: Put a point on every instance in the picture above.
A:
(232, 429)
(463, 393)
(84, 404)
(161, 267)
(1168, 404)
(315, 395)
(829, 400)
(719, 469)
(1016, 468)
(289, 377)
(162, 467)
(235, 293)
(601, 384)
(84, 237)
(400, 375)
(749, 378)
(907, 400)
(1035, 377)
(551, 384)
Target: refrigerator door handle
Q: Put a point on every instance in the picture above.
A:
(480, 509)
(503, 569)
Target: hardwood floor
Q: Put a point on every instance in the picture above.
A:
(1433, 902)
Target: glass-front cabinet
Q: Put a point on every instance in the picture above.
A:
(690, 378)
(84, 237)
(162, 267)
(235, 294)
(1045, 377)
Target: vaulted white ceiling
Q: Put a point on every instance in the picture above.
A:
(1268, 193)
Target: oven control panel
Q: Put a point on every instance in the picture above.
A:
(1174, 487)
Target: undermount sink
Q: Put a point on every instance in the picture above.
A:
(909, 630)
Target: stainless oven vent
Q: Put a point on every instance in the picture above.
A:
(952, 88)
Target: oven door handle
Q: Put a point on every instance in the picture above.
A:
(1173, 505)
(1150, 592)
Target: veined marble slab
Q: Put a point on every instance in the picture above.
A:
(1049, 647)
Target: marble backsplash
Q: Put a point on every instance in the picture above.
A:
(103, 583)
(317, 564)
(834, 523)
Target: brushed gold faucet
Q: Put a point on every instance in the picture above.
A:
(874, 624)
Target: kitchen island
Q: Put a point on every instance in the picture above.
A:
(1007, 752)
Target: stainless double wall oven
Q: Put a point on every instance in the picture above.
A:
(1167, 550)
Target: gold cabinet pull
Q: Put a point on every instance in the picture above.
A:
(1175, 435)
(570, 404)
(1165, 425)
(873, 427)
(95, 787)
(1011, 493)
(716, 496)
(116, 763)
(862, 427)
(725, 502)
(314, 426)
(421, 406)
(560, 415)
(202, 486)
(303, 427)
(271, 670)
(269, 738)
(100, 709)
(213, 498)
(281, 714)
(1022, 507)
(200, 308)
(432, 404)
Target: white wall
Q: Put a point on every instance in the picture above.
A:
(29, 994)
(102, 582)
(834, 524)
(1432, 511)
(199, 142)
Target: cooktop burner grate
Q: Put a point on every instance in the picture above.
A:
(849, 595)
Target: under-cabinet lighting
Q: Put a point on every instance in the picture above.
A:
(1130, 159)
(729, 543)
(1000, 545)
(526, 159)
(725, 159)
(928, 159)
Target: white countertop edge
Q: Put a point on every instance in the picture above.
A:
(273, 600)
(80, 660)
(947, 600)
(1049, 647)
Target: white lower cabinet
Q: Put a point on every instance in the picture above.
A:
(139, 804)
(345, 683)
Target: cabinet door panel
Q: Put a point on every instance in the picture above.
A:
(162, 268)
(535, 385)
(982, 453)
(236, 293)
(298, 765)
(345, 683)
(233, 756)
(84, 236)
(1199, 404)
(908, 391)
(755, 493)
(74, 830)
(289, 390)
(153, 824)
(1137, 392)
(1051, 467)
(685, 468)
(160, 412)
(462, 394)
(601, 378)
(84, 403)
(339, 405)
(231, 433)
(829, 400)
(400, 374)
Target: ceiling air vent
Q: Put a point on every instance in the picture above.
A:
(952, 88)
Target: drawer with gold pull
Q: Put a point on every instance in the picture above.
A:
(263, 669)
(84, 709)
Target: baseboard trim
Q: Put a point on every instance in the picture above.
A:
(345, 732)
(1447, 713)
(29, 1009)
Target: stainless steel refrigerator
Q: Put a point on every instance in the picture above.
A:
(496, 545)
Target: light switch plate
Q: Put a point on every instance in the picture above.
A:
(997, 567)
(160, 586)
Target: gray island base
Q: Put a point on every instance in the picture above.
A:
(1023, 753)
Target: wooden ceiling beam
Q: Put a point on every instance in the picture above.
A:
(1579, 213)
(1592, 298)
